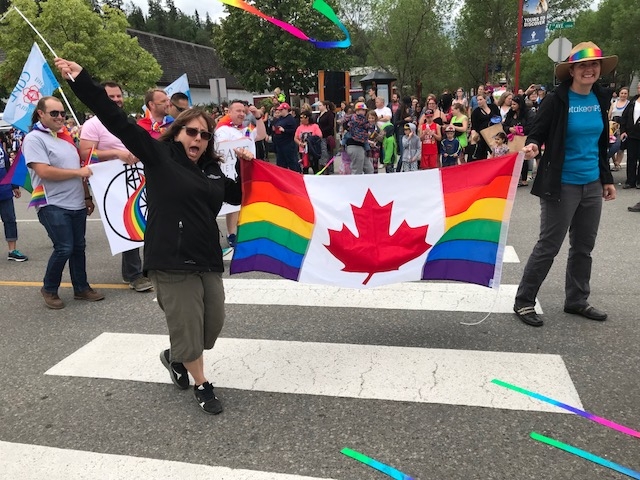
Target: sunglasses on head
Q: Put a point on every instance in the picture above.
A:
(55, 113)
(193, 132)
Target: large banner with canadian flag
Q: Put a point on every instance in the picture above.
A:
(363, 231)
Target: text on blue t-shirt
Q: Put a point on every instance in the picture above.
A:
(583, 132)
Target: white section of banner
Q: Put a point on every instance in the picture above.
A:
(112, 184)
(420, 204)
(226, 151)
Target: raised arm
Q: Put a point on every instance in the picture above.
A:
(135, 138)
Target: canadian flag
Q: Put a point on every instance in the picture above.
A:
(365, 231)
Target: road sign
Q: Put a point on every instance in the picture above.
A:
(559, 49)
(560, 25)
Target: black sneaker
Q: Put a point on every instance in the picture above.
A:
(207, 399)
(177, 371)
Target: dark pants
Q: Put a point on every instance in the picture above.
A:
(578, 211)
(66, 229)
(287, 156)
(8, 215)
(633, 159)
(131, 265)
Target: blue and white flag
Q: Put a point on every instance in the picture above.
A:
(180, 85)
(36, 81)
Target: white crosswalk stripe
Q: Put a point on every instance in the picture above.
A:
(453, 377)
(25, 462)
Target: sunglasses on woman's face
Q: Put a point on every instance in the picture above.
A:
(193, 132)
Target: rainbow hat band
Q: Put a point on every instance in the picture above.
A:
(584, 52)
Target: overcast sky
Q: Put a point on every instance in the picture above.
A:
(189, 7)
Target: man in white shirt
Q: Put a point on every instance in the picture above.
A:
(384, 113)
(108, 147)
(233, 127)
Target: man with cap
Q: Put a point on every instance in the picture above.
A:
(572, 179)
(359, 129)
(284, 129)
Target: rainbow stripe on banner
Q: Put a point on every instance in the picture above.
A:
(276, 222)
(478, 202)
(38, 197)
(134, 221)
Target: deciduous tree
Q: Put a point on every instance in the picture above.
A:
(96, 41)
(263, 57)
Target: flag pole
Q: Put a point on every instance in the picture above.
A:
(41, 38)
(64, 97)
(3, 16)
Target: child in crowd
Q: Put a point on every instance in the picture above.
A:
(430, 135)
(473, 147)
(411, 148)
(500, 148)
(389, 147)
(451, 149)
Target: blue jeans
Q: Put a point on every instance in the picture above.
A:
(66, 229)
(8, 215)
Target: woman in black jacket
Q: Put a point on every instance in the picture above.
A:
(485, 115)
(573, 176)
(517, 122)
(182, 254)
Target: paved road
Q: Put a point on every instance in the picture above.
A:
(84, 395)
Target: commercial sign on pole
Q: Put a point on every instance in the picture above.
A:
(534, 22)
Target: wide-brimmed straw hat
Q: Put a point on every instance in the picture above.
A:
(586, 52)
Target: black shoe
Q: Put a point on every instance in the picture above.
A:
(589, 312)
(177, 371)
(635, 208)
(528, 315)
(626, 186)
(207, 399)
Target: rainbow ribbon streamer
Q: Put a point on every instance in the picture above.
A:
(326, 166)
(586, 455)
(577, 411)
(318, 5)
(381, 467)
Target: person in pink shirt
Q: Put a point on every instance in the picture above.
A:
(302, 138)
(106, 146)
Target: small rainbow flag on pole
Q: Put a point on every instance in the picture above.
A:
(92, 158)
(38, 197)
(363, 231)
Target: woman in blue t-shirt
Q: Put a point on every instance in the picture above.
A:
(572, 179)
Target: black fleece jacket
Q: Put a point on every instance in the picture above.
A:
(183, 197)
(550, 129)
(627, 125)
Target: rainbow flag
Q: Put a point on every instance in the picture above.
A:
(38, 197)
(18, 174)
(92, 158)
(363, 231)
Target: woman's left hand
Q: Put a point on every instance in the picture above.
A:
(67, 68)
(609, 192)
(244, 154)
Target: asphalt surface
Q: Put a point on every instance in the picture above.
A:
(303, 434)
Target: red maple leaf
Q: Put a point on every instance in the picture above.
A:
(374, 250)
